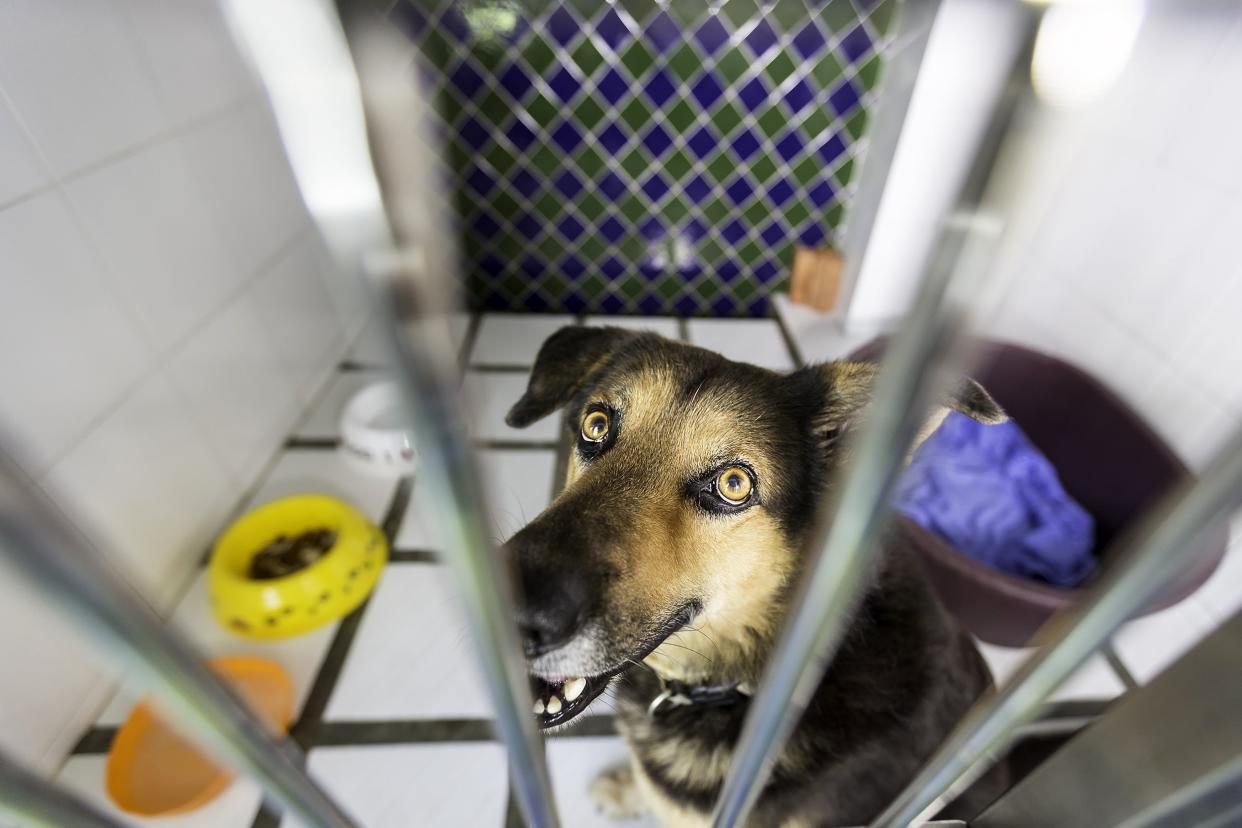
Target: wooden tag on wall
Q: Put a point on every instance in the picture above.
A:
(816, 278)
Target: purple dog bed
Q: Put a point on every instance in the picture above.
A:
(1108, 460)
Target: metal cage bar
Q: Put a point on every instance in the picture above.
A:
(412, 268)
(63, 564)
(1151, 559)
(37, 802)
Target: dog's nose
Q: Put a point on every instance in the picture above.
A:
(552, 607)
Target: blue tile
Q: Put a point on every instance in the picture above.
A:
(528, 225)
(703, 142)
(821, 194)
(766, 271)
(564, 84)
(613, 86)
(612, 266)
(712, 35)
(570, 227)
(845, 98)
(574, 303)
(724, 305)
(686, 306)
(740, 190)
(651, 305)
(831, 149)
(453, 23)
(707, 90)
(611, 186)
(761, 38)
(657, 140)
(525, 183)
(659, 87)
(407, 17)
(568, 184)
(780, 192)
(753, 94)
(758, 307)
(562, 25)
(613, 303)
(811, 234)
(567, 136)
(480, 181)
(857, 44)
(694, 230)
(612, 229)
(572, 266)
(520, 135)
(773, 234)
(650, 269)
(734, 232)
(613, 139)
(515, 81)
(491, 265)
(651, 228)
(612, 29)
(474, 134)
(655, 186)
(745, 144)
(799, 96)
(809, 41)
(790, 146)
(698, 189)
(728, 270)
(531, 266)
(662, 32)
(485, 225)
(465, 79)
(535, 303)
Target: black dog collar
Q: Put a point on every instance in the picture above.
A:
(680, 694)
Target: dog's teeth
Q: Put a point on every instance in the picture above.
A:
(538, 708)
(573, 688)
(554, 705)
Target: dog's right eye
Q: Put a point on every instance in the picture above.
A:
(595, 427)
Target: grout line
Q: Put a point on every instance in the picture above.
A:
(349, 365)
(794, 353)
(518, 445)
(432, 731)
(96, 740)
(413, 556)
(1119, 666)
(312, 443)
(334, 661)
(683, 329)
(267, 817)
(467, 341)
(493, 368)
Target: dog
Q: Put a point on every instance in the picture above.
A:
(665, 567)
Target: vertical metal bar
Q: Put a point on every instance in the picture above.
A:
(1148, 559)
(912, 370)
(374, 126)
(64, 565)
(33, 801)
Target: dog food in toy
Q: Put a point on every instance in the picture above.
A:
(293, 565)
(152, 771)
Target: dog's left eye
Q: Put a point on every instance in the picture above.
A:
(734, 485)
(595, 427)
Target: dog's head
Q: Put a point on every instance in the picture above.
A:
(691, 486)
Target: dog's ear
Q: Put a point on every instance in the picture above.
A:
(565, 360)
(848, 388)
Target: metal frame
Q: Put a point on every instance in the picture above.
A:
(412, 274)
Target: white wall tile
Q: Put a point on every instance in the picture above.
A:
(1221, 596)
(1212, 357)
(239, 392)
(240, 163)
(299, 314)
(146, 488)
(327, 472)
(324, 419)
(73, 72)
(757, 341)
(489, 396)
(573, 764)
(1093, 680)
(53, 679)
(147, 218)
(21, 169)
(191, 53)
(665, 326)
(67, 347)
(512, 338)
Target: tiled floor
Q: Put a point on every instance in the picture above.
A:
(393, 717)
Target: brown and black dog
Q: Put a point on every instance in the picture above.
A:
(668, 561)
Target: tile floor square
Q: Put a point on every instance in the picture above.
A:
(520, 483)
(1149, 644)
(448, 785)
(300, 655)
(234, 808)
(324, 419)
(757, 341)
(573, 762)
(1094, 680)
(665, 326)
(371, 348)
(513, 339)
(329, 472)
(411, 658)
(490, 394)
(819, 336)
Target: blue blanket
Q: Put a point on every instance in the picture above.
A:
(990, 493)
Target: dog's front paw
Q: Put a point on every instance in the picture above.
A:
(616, 795)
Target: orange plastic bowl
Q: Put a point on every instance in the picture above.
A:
(152, 771)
